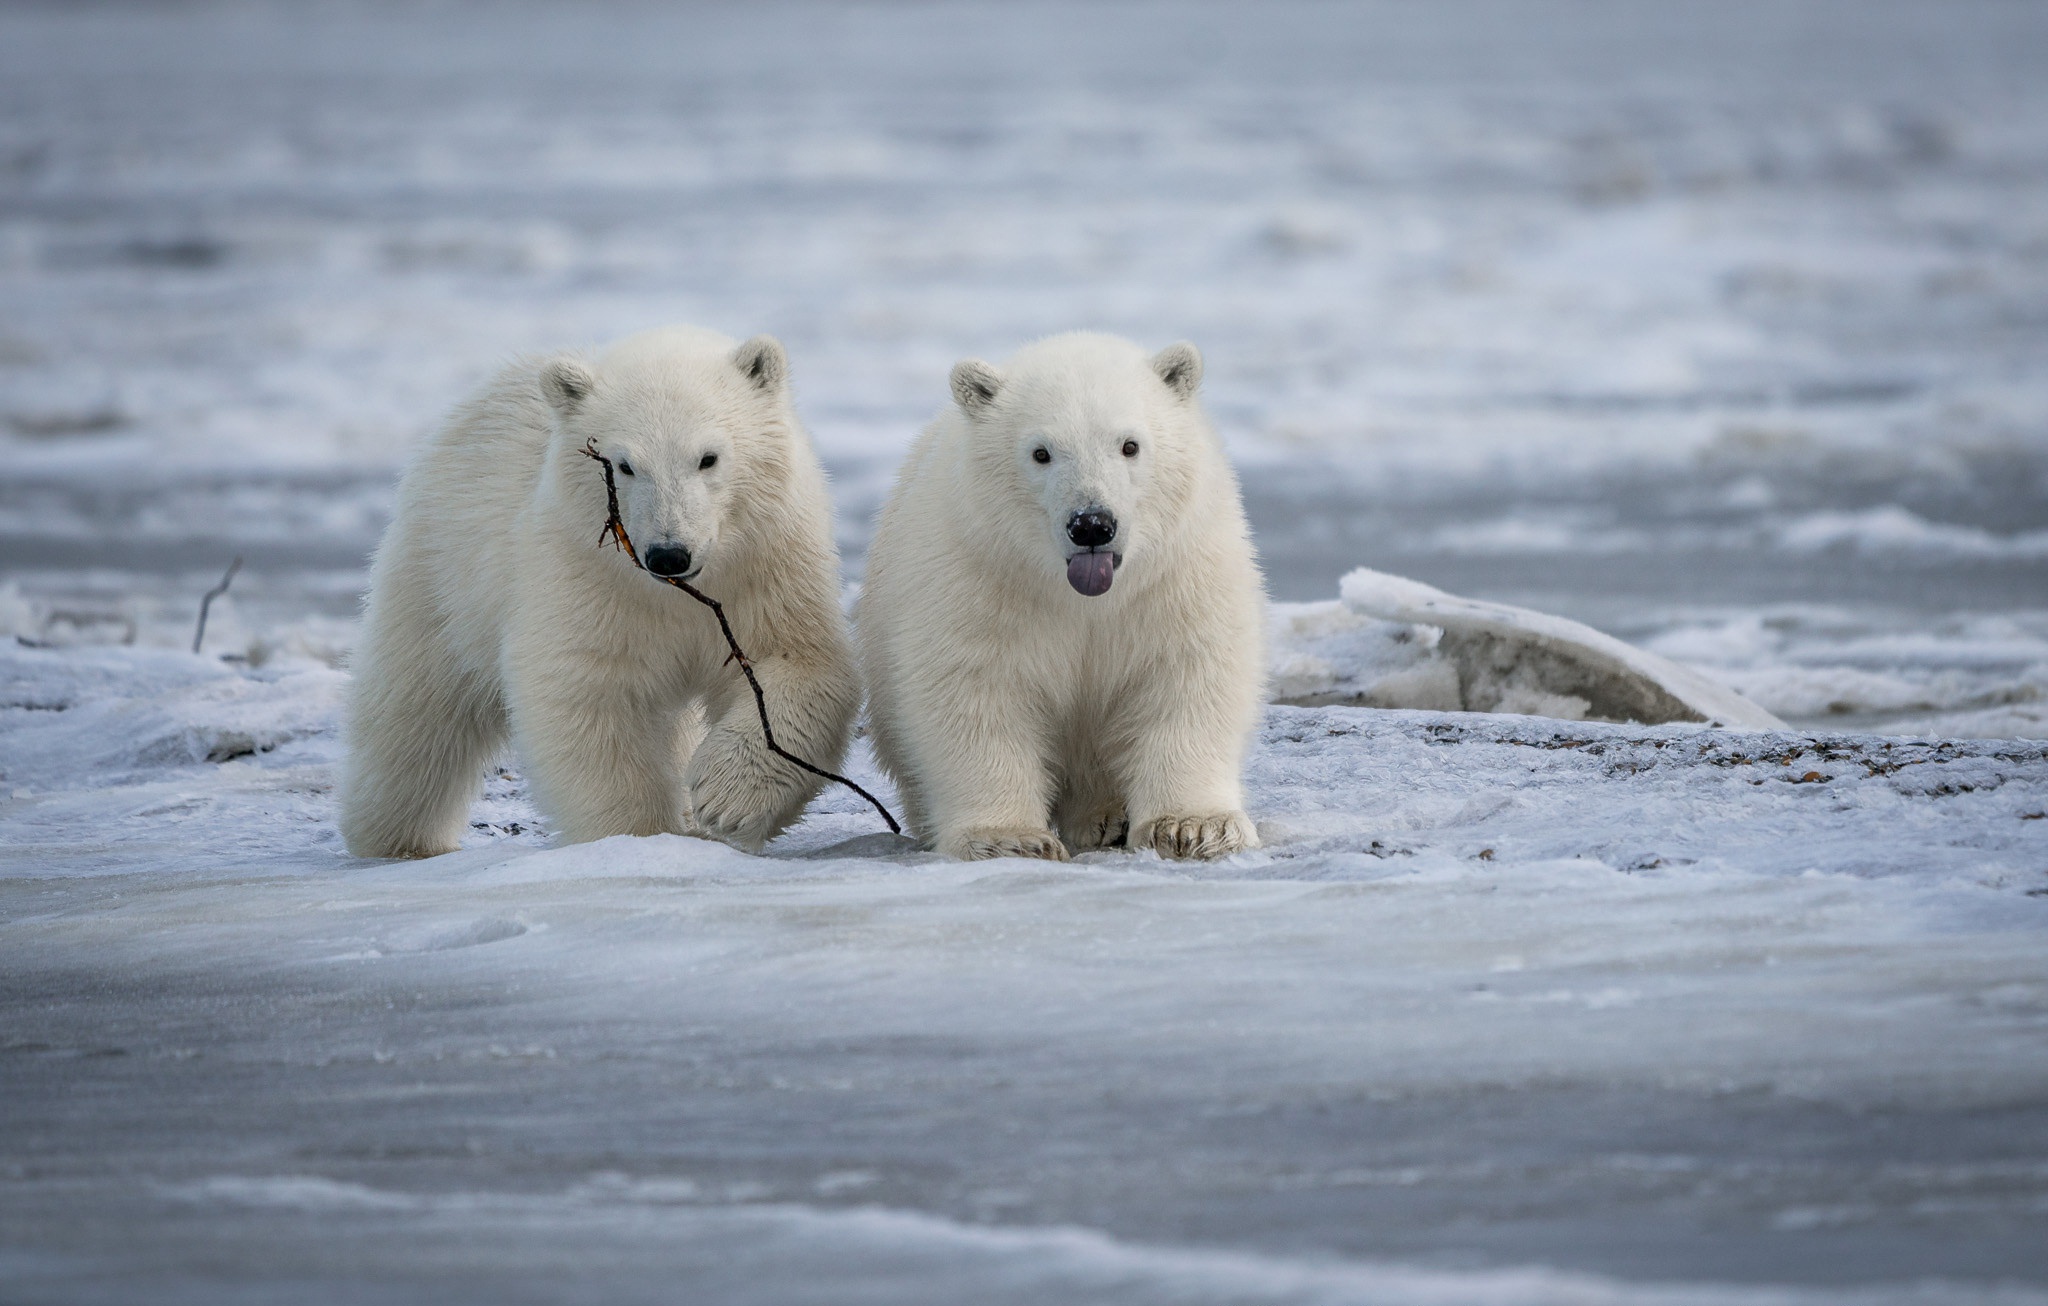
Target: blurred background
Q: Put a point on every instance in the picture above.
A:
(1721, 327)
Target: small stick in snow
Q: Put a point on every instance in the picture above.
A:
(615, 531)
(228, 578)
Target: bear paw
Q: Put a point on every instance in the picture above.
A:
(735, 794)
(729, 817)
(1108, 828)
(1198, 836)
(980, 844)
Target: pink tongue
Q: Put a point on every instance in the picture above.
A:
(1091, 573)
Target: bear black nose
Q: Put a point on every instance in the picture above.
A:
(668, 560)
(1091, 528)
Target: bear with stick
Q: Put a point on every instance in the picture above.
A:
(492, 615)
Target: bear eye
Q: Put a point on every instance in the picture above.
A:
(707, 462)
(625, 468)
(1130, 448)
(1041, 454)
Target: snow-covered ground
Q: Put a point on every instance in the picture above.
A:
(1718, 328)
(1507, 1010)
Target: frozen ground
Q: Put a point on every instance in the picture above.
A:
(1720, 328)
(1508, 1010)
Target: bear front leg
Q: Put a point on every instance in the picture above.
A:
(742, 793)
(981, 762)
(1183, 775)
(602, 761)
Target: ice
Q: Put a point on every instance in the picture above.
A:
(1715, 329)
(1392, 642)
(1894, 528)
(1974, 674)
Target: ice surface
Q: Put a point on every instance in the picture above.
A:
(1716, 328)
(1506, 1010)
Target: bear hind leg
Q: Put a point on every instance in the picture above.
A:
(415, 764)
(1090, 811)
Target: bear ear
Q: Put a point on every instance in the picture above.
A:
(566, 383)
(1180, 366)
(762, 361)
(975, 384)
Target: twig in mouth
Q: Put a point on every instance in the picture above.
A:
(227, 578)
(615, 531)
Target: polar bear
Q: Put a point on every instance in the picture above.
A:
(496, 608)
(1062, 625)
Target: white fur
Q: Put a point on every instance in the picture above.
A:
(1007, 705)
(495, 608)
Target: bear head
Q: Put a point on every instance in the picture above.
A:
(1092, 444)
(688, 420)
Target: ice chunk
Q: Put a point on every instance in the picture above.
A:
(1393, 642)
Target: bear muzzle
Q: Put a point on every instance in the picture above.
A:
(1092, 571)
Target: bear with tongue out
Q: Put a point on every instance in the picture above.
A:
(1062, 621)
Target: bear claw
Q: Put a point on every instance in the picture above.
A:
(979, 845)
(1109, 828)
(727, 811)
(1200, 837)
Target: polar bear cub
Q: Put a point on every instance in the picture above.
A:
(496, 608)
(1062, 622)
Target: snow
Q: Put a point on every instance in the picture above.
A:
(1712, 329)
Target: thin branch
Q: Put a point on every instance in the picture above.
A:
(615, 531)
(206, 603)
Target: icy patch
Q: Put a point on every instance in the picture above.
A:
(310, 1193)
(138, 713)
(1890, 528)
(1330, 652)
(443, 938)
(735, 1250)
(1391, 642)
(1971, 675)
(1521, 535)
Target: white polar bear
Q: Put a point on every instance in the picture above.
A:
(496, 607)
(1063, 620)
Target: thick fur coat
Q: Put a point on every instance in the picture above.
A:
(496, 611)
(1035, 686)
